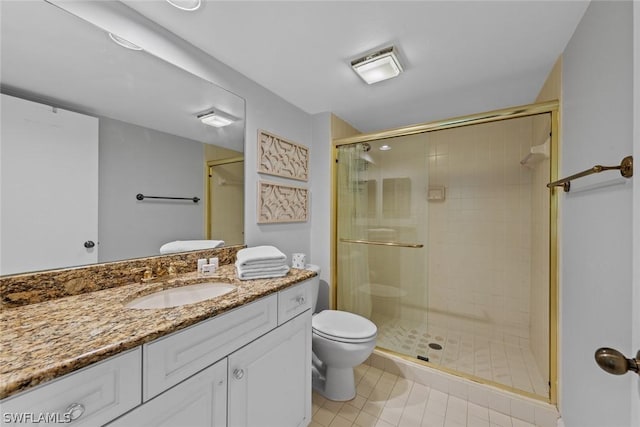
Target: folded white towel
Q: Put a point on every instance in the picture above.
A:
(259, 254)
(261, 268)
(251, 275)
(189, 245)
(261, 264)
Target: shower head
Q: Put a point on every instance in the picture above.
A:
(366, 146)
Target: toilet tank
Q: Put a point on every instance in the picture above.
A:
(315, 285)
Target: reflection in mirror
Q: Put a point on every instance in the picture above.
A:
(87, 125)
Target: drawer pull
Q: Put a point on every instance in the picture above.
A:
(75, 411)
(238, 374)
(300, 300)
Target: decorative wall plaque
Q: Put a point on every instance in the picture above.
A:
(282, 203)
(280, 157)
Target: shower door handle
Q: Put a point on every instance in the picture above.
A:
(614, 362)
(375, 242)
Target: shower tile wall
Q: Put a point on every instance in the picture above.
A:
(480, 235)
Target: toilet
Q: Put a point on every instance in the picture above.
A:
(340, 341)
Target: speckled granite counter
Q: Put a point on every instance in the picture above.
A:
(43, 341)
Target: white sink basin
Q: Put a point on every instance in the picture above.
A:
(183, 295)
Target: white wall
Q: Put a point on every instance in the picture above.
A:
(265, 110)
(596, 221)
(320, 243)
(135, 159)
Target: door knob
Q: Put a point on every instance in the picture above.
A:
(238, 374)
(615, 363)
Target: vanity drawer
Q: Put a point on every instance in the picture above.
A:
(294, 300)
(171, 359)
(99, 393)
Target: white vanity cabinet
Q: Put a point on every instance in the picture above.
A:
(250, 366)
(91, 396)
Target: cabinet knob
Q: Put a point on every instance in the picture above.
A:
(238, 374)
(89, 244)
(75, 411)
(300, 300)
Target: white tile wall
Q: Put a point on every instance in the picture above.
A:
(480, 236)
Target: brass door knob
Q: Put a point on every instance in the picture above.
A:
(614, 362)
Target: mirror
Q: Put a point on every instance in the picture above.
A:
(149, 141)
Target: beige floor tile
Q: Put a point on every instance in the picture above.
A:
(358, 401)
(373, 407)
(333, 406)
(391, 414)
(383, 423)
(365, 420)
(340, 422)
(396, 401)
(324, 416)
(349, 412)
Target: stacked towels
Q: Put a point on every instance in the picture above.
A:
(261, 262)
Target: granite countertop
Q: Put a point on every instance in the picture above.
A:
(43, 341)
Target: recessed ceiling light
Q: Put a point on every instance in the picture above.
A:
(188, 5)
(377, 66)
(385, 147)
(216, 119)
(124, 42)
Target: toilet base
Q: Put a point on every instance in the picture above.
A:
(338, 384)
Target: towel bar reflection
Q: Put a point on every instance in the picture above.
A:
(374, 242)
(625, 167)
(141, 196)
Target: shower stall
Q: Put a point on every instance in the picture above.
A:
(444, 238)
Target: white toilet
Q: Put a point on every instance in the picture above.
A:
(341, 341)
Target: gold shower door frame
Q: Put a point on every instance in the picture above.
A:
(550, 107)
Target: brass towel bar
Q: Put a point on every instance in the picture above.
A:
(625, 167)
(375, 242)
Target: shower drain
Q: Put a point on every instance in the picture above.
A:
(435, 346)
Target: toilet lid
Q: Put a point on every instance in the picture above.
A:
(343, 326)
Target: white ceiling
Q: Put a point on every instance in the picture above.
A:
(460, 57)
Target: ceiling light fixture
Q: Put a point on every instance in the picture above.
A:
(216, 119)
(188, 5)
(385, 148)
(378, 66)
(124, 42)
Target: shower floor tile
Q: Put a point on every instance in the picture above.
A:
(481, 356)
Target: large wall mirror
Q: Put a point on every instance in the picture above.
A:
(86, 126)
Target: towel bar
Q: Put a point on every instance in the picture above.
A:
(625, 167)
(141, 196)
(374, 242)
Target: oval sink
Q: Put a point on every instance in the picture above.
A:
(183, 295)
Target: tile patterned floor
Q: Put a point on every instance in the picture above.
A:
(385, 400)
(490, 358)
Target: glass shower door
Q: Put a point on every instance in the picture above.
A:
(383, 196)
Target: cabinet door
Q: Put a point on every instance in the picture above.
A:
(196, 402)
(270, 379)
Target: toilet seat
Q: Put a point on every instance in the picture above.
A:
(343, 326)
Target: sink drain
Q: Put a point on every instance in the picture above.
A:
(435, 346)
